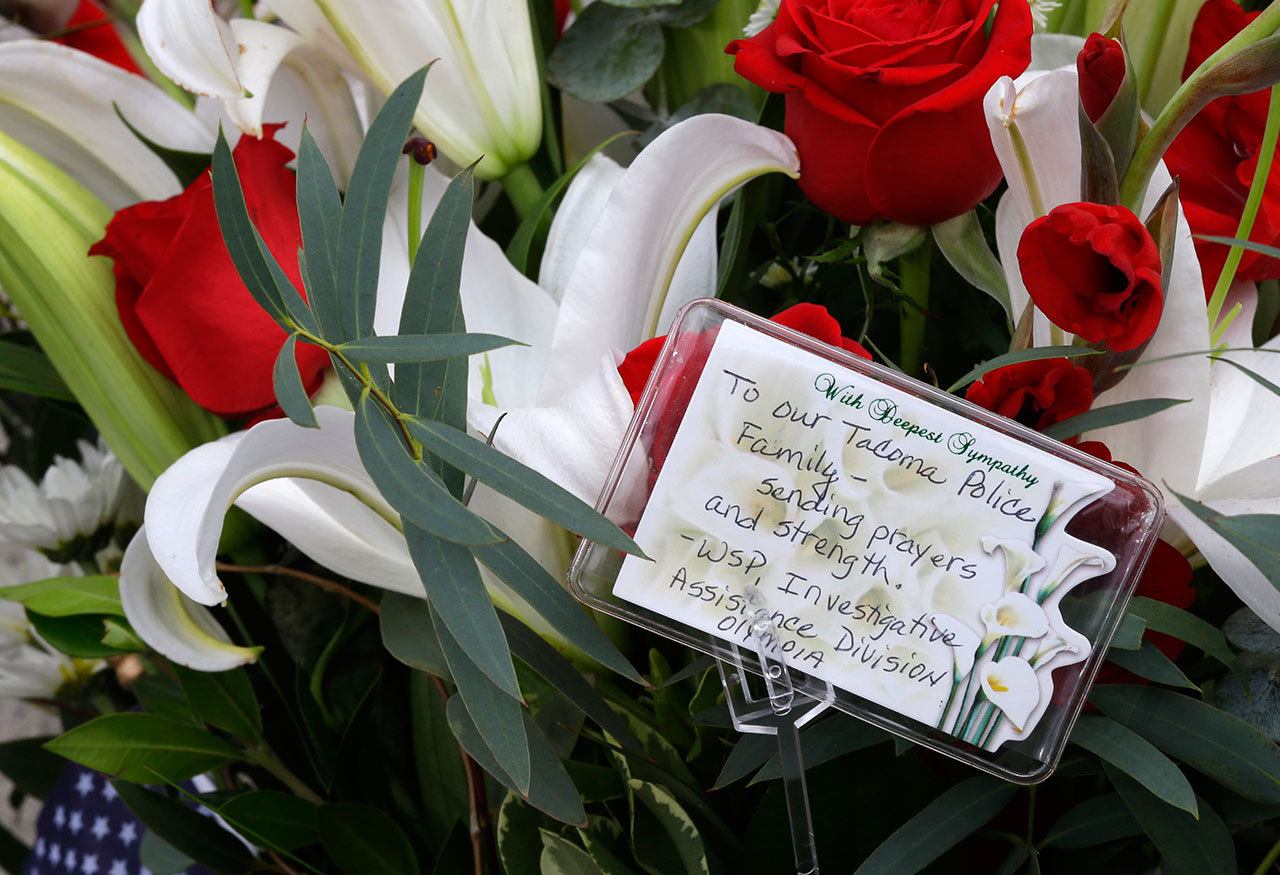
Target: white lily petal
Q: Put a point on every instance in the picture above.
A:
(188, 502)
(496, 299)
(168, 621)
(192, 45)
(1244, 578)
(1049, 51)
(617, 294)
(306, 19)
(261, 48)
(483, 92)
(574, 441)
(696, 273)
(1014, 614)
(579, 211)
(1020, 559)
(61, 103)
(1011, 685)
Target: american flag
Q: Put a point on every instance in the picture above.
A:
(84, 829)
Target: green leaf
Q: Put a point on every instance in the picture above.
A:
(825, 741)
(32, 769)
(362, 839)
(414, 348)
(1150, 663)
(1183, 625)
(433, 305)
(1109, 415)
(80, 635)
(186, 166)
(68, 596)
(607, 53)
(1223, 747)
(119, 634)
(409, 634)
(675, 823)
(188, 831)
(320, 215)
(1128, 634)
(965, 246)
(1093, 822)
(748, 754)
(1187, 845)
(519, 483)
(533, 583)
(290, 392)
(562, 857)
(442, 779)
(497, 715)
(143, 748)
(1024, 355)
(522, 240)
(518, 836)
(605, 859)
(461, 603)
(224, 700)
(267, 817)
(410, 486)
(161, 857)
(28, 370)
(550, 790)
(942, 824)
(1256, 535)
(1137, 757)
(1261, 248)
(365, 208)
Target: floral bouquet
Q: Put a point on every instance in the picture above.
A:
(323, 322)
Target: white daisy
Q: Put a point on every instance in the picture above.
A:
(68, 510)
(764, 15)
(1040, 10)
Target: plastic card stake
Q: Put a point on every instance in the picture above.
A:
(954, 576)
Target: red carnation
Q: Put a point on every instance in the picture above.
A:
(1095, 271)
(1036, 393)
(182, 301)
(1102, 66)
(92, 31)
(884, 99)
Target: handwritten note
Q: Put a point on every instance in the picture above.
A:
(908, 555)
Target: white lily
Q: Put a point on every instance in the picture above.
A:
(309, 485)
(472, 107)
(1222, 447)
(1012, 686)
(1014, 614)
(1020, 560)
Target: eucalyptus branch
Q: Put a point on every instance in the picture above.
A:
(477, 797)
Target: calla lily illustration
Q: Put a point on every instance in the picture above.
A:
(309, 485)
(473, 108)
(1011, 685)
(1215, 460)
(1014, 615)
(1020, 560)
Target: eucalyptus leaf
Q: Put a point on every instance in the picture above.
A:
(1218, 744)
(964, 245)
(1023, 355)
(408, 633)
(442, 778)
(1246, 631)
(188, 831)
(1257, 536)
(607, 53)
(320, 218)
(143, 748)
(1136, 757)
(826, 740)
(1188, 845)
(1093, 822)
(1150, 663)
(942, 824)
(362, 839)
(28, 370)
(1253, 375)
(415, 348)
(68, 596)
(1109, 415)
(290, 393)
(1183, 625)
(1260, 248)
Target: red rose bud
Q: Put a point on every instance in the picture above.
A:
(1095, 271)
(884, 100)
(181, 300)
(1102, 67)
(1037, 394)
(676, 390)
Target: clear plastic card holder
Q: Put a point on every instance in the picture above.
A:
(938, 571)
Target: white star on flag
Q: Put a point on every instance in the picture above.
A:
(118, 867)
(101, 826)
(84, 786)
(128, 834)
(89, 865)
(76, 823)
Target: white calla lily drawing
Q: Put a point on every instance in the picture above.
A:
(1020, 559)
(1014, 615)
(1011, 685)
(309, 484)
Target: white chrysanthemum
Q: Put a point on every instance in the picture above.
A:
(73, 501)
(29, 667)
(764, 15)
(1040, 10)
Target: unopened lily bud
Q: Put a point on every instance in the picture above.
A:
(1102, 66)
(421, 150)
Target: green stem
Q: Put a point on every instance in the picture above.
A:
(523, 189)
(417, 174)
(913, 272)
(1257, 189)
(263, 757)
(1183, 106)
(1269, 860)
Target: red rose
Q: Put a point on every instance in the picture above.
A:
(1215, 158)
(1095, 271)
(675, 393)
(91, 30)
(181, 300)
(884, 99)
(1036, 393)
(1102, 66)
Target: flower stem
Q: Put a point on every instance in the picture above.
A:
(523, 189)
(1257, 189)
(913, 271)
(1269, 860)
(417, 174)
(265, 758)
